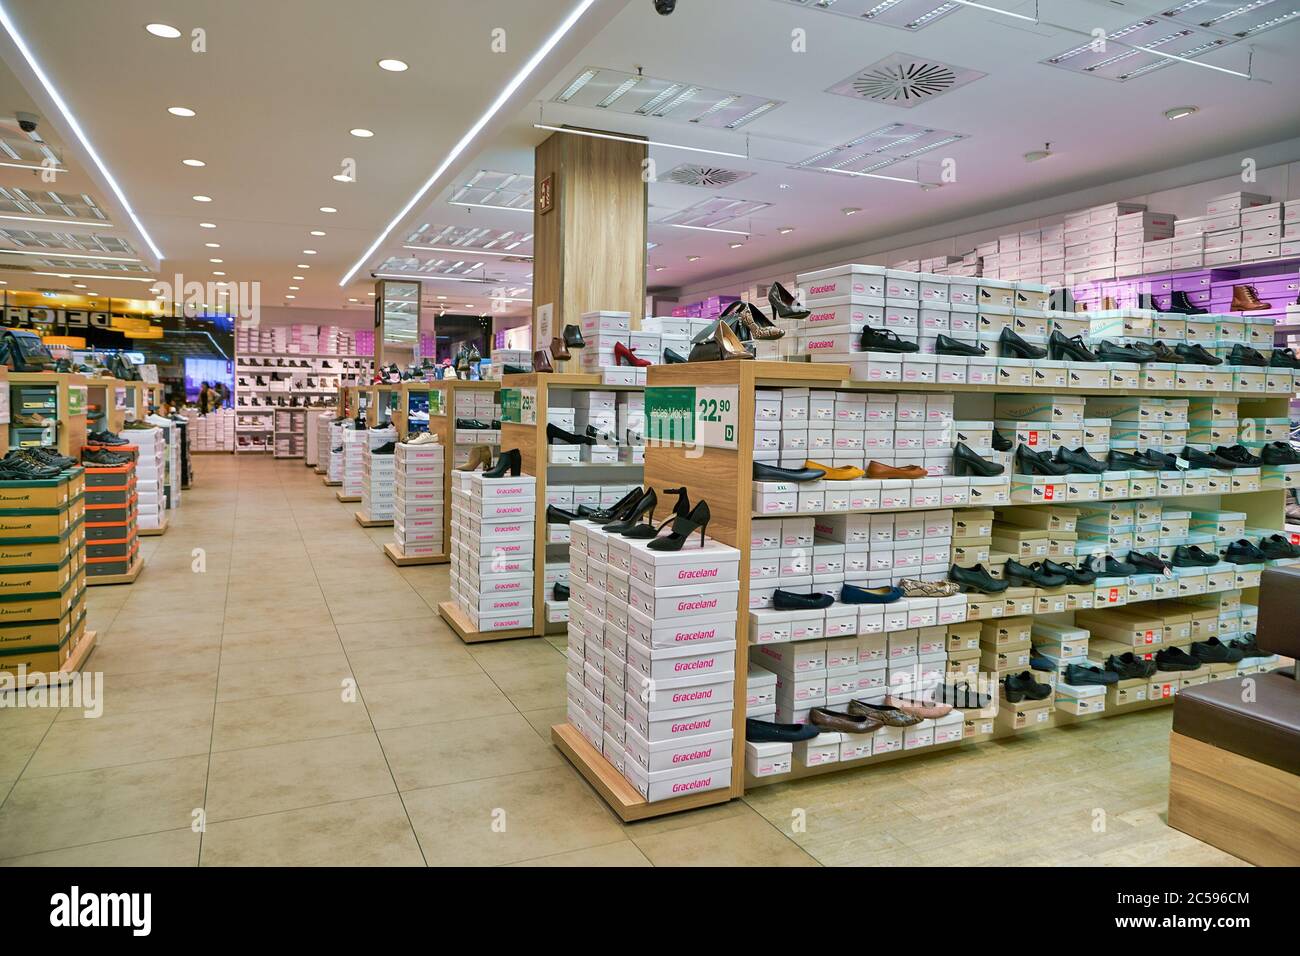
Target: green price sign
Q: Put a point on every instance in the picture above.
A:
(685, 416)
(511, 402)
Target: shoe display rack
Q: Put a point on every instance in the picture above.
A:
(112, 521)
(290, 432)
(43, 568)
(266, 382)
(871, 533)
(150, 479)
(420, 505)
(378, 479)
(56, 398)
(333, 444)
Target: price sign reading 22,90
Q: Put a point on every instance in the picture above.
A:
(717, 410)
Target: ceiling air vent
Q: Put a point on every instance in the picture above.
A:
(904, 80)
(709, 177)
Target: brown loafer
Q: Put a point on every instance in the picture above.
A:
(877, 470)
(884, 713)
(836, 722)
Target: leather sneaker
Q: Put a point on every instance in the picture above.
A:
(884, 340)
(1191, 556)
(1011, 345)
(1242, 551)
(1214, 651)
(1245, 355)
(1283, 358)
(1278, 547)
(1030, 462)
(1018, 687)
(1128, 665)
(1238, 455)
(944, 345)
(1193, 354)
(1082, 675)
(976, 579)
(1079, 460)
(1279, 453)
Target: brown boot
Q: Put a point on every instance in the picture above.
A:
(480, 456)
(1246, 299)
(542, 361)
(559, 350)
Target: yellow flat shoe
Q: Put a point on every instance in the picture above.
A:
(843, 473)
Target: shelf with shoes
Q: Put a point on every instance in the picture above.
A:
(421, 501)
(289, 427)
(712, 473)
(47, 409)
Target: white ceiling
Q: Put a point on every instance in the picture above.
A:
(282, 83)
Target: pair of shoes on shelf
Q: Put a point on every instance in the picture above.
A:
(625, 518)
(724, 340)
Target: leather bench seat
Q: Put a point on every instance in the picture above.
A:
(1266, 730)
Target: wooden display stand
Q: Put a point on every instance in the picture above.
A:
(443, 425)
(70, 435)
(346, 499)
(154, 532)
(450, 612)
(723, 478)
(367, 523)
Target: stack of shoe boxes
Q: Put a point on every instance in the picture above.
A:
(112, 541)
(475, 404)
(335, 445)
(150, 469)
(356, 472)
(493, 521)
(42, 572)
(379, 472)
(606, 334)
(418, 500)
(652, 658)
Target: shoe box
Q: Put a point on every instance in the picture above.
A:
(488, 551)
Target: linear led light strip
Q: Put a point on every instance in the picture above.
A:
(618, 92)
(659, 99)
(481, 252)
(53, 169)
(72, 122)
(55, 254)
(73, 275)
(517, 81)
(1244, 8)
(425, 277)
(678, 225)
(633, 139)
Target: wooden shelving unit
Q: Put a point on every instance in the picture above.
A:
(70, 434)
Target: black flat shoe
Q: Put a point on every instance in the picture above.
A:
(943, 345)
(1126, 461)
(1068, 348)
(555, 435)
(1071, 574)
(783, 303)
(1128, 665)
(672, 358)
(1283, 358)
(1238, 455)
(1017, 687)
(1195, 354)
(1279, 453)
(790, 601)
(1242, 551)
(1078, 460)
(1147, 562)
(1001, 442)
(961, 696)
(1034, 575)
(1163, 353)
(1278, 548)
(514, 370)
(1114, 568)
(1108, 351)
(510, 461)
(764, 472)
(1204, 459)
(1030, 462)
(1245, 356)
(966, 462)
(884, 340)
(764, 732)
(976, 579)
(1011, 345)
(1080, 675)
(573, 337)
(556, 515)
(1191, 556)
(1162, 461)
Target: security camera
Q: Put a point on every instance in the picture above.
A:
(665, 7)
(27, 121)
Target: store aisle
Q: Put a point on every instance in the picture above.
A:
(274, 674)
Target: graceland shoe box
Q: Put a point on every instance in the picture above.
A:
(418, 499)
(111, 519)
(492, 522)
(652, 658)
(42, 571)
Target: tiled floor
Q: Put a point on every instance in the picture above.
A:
(272, 673)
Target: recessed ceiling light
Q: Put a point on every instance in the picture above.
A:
(393, 66)
(371, 293)
(468, 305)
(309, 252)
(302, 266)
(294, 288)
(291, 297)
(298, 278)
(207, 225)
(736, 245)
(196, 163)
(440, 297)
(328, 209)
(660, 268)
(850, 210)
(213, 245)
(317, 232)
(164, 30)
(180, 111)
(217, 261)
(1178, 112)
(1034, 155)
(785, 185)
(202, 198)
(217, 272)
(786, 230)
(362, 133)
(341, 178)
(352, 300)
(692, 258)
(78, 285)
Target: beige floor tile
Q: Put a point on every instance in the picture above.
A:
(533, 687)
(306, 773)
(405, 664)
(169, 848)
(433, 754)
(251, 646)
(508, 819)
(515, 655)
(368, 832)
(543, 720)
(18, 742)
(262, 721)
(623, 853)
(370, 604)
(274, 678)
(425, 629)
(435, 700)
(740, 840)
(116, 740)
(49, 813)
(129, 691)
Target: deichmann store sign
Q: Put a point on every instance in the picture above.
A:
(41, 318)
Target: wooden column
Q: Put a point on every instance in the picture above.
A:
(589, 231)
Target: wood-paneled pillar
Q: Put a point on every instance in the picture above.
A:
(589, 232)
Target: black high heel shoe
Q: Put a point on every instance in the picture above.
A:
(966, 462)
(683, 528)
(573, 337)
(608, 514)
(1030, 462)
(644, 532)
(645, 505)
(673, 358)
(1010, 345)
(783, 303)
(558, 436)
(510, 461)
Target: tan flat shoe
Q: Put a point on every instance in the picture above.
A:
(919, 708)
(877, 470)
(843, 473)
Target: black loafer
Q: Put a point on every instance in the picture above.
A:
(976, 579)
(1191, 556)
(1071, 574)
(1113, 568)
(1204, 459)
(1030, 462)
(1002, 442)
(1196, 355)
(1162, 461)
(560, 591)
(944, 345)
(961, 696)
(1017, 687)
(966, 462)
(1244, 355)
(1128, 665)
(791, 601)
(1125, 461)
(1068, 348)
(1279, 453)
(1176, 659)
(1147, 562)
(1238, 455)
(1214, 651)
(1242, 551)
(762, 732)
(1035, 575)
(1109, 351)
(1079, 460)
(1278, 548)
(1011, 345)
(884, 340)
(1079, 675)
(764, 472)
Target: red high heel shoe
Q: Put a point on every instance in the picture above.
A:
(625, 356)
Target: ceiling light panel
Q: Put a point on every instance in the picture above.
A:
(50, 204)
(911, 15)
(489, 187)
(66, 241)
(879, 149)
(678, 101)
(906, 80)
(712, 213)
(473, 237)
(1179, 35)
(22, 150)
(1240, 18)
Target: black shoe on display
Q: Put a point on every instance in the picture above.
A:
(1176, 659)
(573, 337)
(1192, 354)
(1011, 345)
(1163, 353)
(1147, 301)
(23, 469)
(1204, 459)
(510, 462)
(1073, 575)
(560, 592)
(672, 358)
(961, 696)
(471, 424)
(1001, 442)
(1034, 575)
(555, 435)
(885, 340)
(1245, 356)
(1117, 569)
(104, 459)
(1127, 461)
(1068, 347)
(1242, 551)
(387, 448)
(608, 514)
(1246, 644)
(764, 472)
(1214, 651)
(1278, 547)
(105, 438)
(50, 457)
(515, 370)
(1283, 358)
(1128, 665)
(556, 515)
(1080, 675)
(1162, 461)
(632, 515)
(1017, 687)
(1030, 462)
(783, 600)
(1239, 455)
(1078, 460)
(1279, 453)
(783, 303)
(766, 732)
(684, 527)
(1108, 351)
(1147, 562)
(1191, 556)
(1180, 304)
(944, 345)
(966, 462)
(976, 579)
